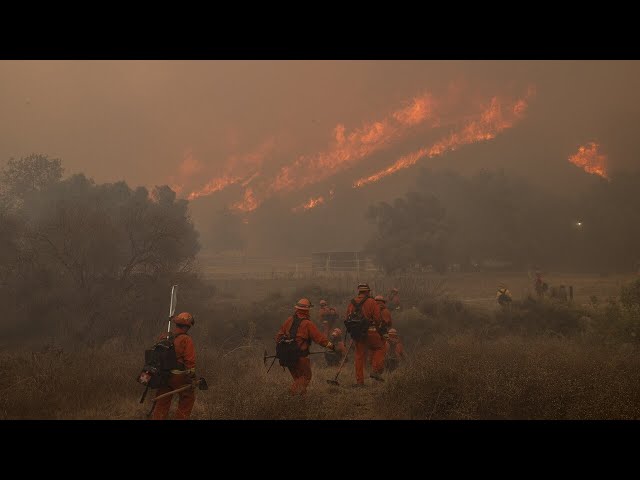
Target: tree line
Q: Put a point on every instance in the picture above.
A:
(466, 220)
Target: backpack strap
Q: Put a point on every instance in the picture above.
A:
(173, 340)
(357, 305)
(172, 336)
(295, 324)
(293, 331)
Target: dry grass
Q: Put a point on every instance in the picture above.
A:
(465, 362)
(460, 377)
(100, 384)
(512, 378)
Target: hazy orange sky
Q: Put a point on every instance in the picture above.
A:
(140, 120)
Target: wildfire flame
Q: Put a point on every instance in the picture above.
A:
(349, 149)
(189, 166)
(249, 202)
(489, 123)
(239, 169)
(213, 186)
(311, 203)
(590, 159)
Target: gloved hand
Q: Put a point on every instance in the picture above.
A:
(331, 346)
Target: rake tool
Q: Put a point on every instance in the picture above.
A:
(344, 359)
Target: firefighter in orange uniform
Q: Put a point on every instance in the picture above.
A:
(394, 299)
(306, 333)
(395, 351)
(322, 318)
(370, 340)
(385, 314)
(334, 357)
(383, 327)
(184, 375)
(332, 319)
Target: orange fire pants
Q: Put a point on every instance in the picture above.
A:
(185, 402)
(301, 373)
(374, 345)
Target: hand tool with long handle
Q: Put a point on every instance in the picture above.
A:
(172, 305)
(344, 359)
(201, 384)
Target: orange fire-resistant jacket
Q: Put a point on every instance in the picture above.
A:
(370, 309)
(385, 315)
(307, 331)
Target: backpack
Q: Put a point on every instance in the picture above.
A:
(287, 350)
(356, 323)
(159, 360)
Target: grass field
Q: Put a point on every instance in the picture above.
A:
(472, 288)
(455, 378)
(455, 369)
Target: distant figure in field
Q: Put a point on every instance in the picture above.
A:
(394, 299)
(323, 309)
(331, 319)
(394, 351)
(503, 296)
(326, 318)
(539, 285)
(562, 293)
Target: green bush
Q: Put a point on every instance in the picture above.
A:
(533, 316)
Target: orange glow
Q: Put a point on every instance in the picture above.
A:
(491, 121)
(189, 166)
(213, 186)
(353, 147)
(176, 188)
(312, 203)
(239, 169)
(590, 159)
(248, 203)
(348, 148)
